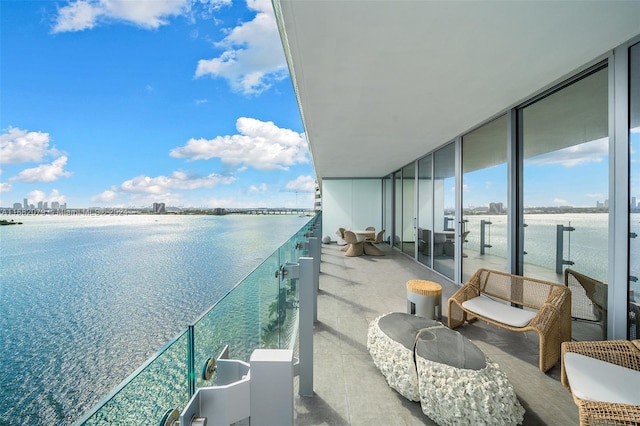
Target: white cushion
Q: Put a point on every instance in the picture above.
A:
(597, 380)
(499, 312)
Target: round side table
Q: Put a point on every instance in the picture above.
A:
(424, 298)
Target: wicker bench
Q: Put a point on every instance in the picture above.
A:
(516, 303)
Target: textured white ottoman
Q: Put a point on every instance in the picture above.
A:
(452, 379)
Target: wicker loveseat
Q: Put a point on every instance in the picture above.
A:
(605, 393)
(516, 303)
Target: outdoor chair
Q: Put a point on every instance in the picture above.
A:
(341, 241)
(603, 378)
(588, 298)
(355, 247)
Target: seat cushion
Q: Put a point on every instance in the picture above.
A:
(499, 312)
(597, 380)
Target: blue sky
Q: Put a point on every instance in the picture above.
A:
(127, 103)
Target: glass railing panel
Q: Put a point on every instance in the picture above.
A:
(485, 244)
(288, 290)
(147, 394)
(240, 319)
(554, 242)
(259, 312)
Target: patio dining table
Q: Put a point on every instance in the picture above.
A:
(363, 234)
(366, 236)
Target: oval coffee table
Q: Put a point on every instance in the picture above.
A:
(425, 361)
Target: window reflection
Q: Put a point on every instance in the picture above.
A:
(444, 184)
(425, 210)
(565, 191)
(484, 198)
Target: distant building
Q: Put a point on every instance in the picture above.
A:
(496, 208)
(17, 206)
(26, 204)
(55, 205)
(39, 205)
(159, 208)
(633, 203)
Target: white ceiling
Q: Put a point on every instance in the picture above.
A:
(381, 83)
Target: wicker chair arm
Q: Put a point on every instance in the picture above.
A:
(546, 318)
(597, 412)
(466, 292)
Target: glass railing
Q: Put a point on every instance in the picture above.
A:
(261, 311)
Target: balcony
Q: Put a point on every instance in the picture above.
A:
(351, 391)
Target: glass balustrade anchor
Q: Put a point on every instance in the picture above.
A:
(209, 368)
(170, 418)
(289, 270)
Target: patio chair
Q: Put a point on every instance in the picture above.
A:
(355, 247)
(341, 241)
(587, 291)
(378, 239)
(370, 237)
(602, 377)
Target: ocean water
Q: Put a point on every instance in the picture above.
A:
(85, 300)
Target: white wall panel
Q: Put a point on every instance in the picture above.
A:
(351, 203)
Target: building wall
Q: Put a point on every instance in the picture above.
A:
(351, 204)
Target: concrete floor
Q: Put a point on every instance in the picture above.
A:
(349, 390)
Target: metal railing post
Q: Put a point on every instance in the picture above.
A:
(191, 360)
(314, 252)
(483, 225)
(560, 229)
(306, 327)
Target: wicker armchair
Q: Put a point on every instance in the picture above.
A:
(548, 305)
(588, 298)
(624, 353)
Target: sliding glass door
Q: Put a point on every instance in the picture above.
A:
(565, 175)
(425, 210)
(444, 203)
(408, 208)
(484, 198)
(634, 191)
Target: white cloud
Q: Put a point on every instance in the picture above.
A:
(302, 184)
(559, 201)
(85, 14)
(145, 190)
(223, 203)
(252, 57)
(260, 188)
(177, 180)
(5, 187)
(588, 152)
(22, 146)
(37, 195)
(105, 196)
(261, 145)
(599, 195)
(44, 172)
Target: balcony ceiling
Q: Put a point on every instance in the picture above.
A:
(381, 83)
